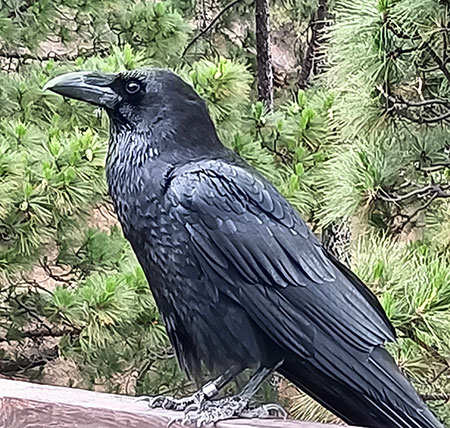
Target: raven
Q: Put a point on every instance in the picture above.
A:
(238, 277)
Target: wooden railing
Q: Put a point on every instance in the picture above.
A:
(28, 405)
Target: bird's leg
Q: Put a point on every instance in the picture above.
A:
(206, 392)
(236, 406)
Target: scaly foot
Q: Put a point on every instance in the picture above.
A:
(172, 403)
(210, 412)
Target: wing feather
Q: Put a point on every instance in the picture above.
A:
(257, 250)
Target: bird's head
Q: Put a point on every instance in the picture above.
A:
(154, 102)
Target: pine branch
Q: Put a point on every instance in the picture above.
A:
(408, 218)
(401, 107)
(440, 373)
(435, 167)
(32, 313)
(25, 56)
(9, 367)
(411, 334)
(425, 120)
(210, 26)
(66, 277)
(423, 103)
(441, 63)
(436, 397)
(400, 33)
(432, 190)
(42, 333)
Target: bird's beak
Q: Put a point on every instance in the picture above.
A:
(92, 87)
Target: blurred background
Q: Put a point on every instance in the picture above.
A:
(350, 120)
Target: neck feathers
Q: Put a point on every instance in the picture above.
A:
(131, 146)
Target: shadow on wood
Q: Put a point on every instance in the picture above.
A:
(28, 405)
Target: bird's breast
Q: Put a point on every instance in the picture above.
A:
(158, 239)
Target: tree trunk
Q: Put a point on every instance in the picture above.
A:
(264, 56)
(312, 59)
(336, 239)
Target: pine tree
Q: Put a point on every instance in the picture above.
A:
(388, 172)
(361, 143)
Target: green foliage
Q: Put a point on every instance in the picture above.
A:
(156, 27)
(349, 148)
(60, 174)
(110, 309)
(372, 165)
(413, 283)
(158, 30)
(389, 145)
(226, 87)
(288, 145)
(377, 53)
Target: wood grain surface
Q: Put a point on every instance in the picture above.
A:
(28, 405)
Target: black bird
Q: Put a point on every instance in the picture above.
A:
(238, 277)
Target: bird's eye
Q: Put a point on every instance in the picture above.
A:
(132, 87)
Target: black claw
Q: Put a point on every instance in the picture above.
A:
(191, 407)
(227, 408)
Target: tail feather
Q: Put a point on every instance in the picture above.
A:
(372, 393)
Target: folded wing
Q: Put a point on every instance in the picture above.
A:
(254, 247)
